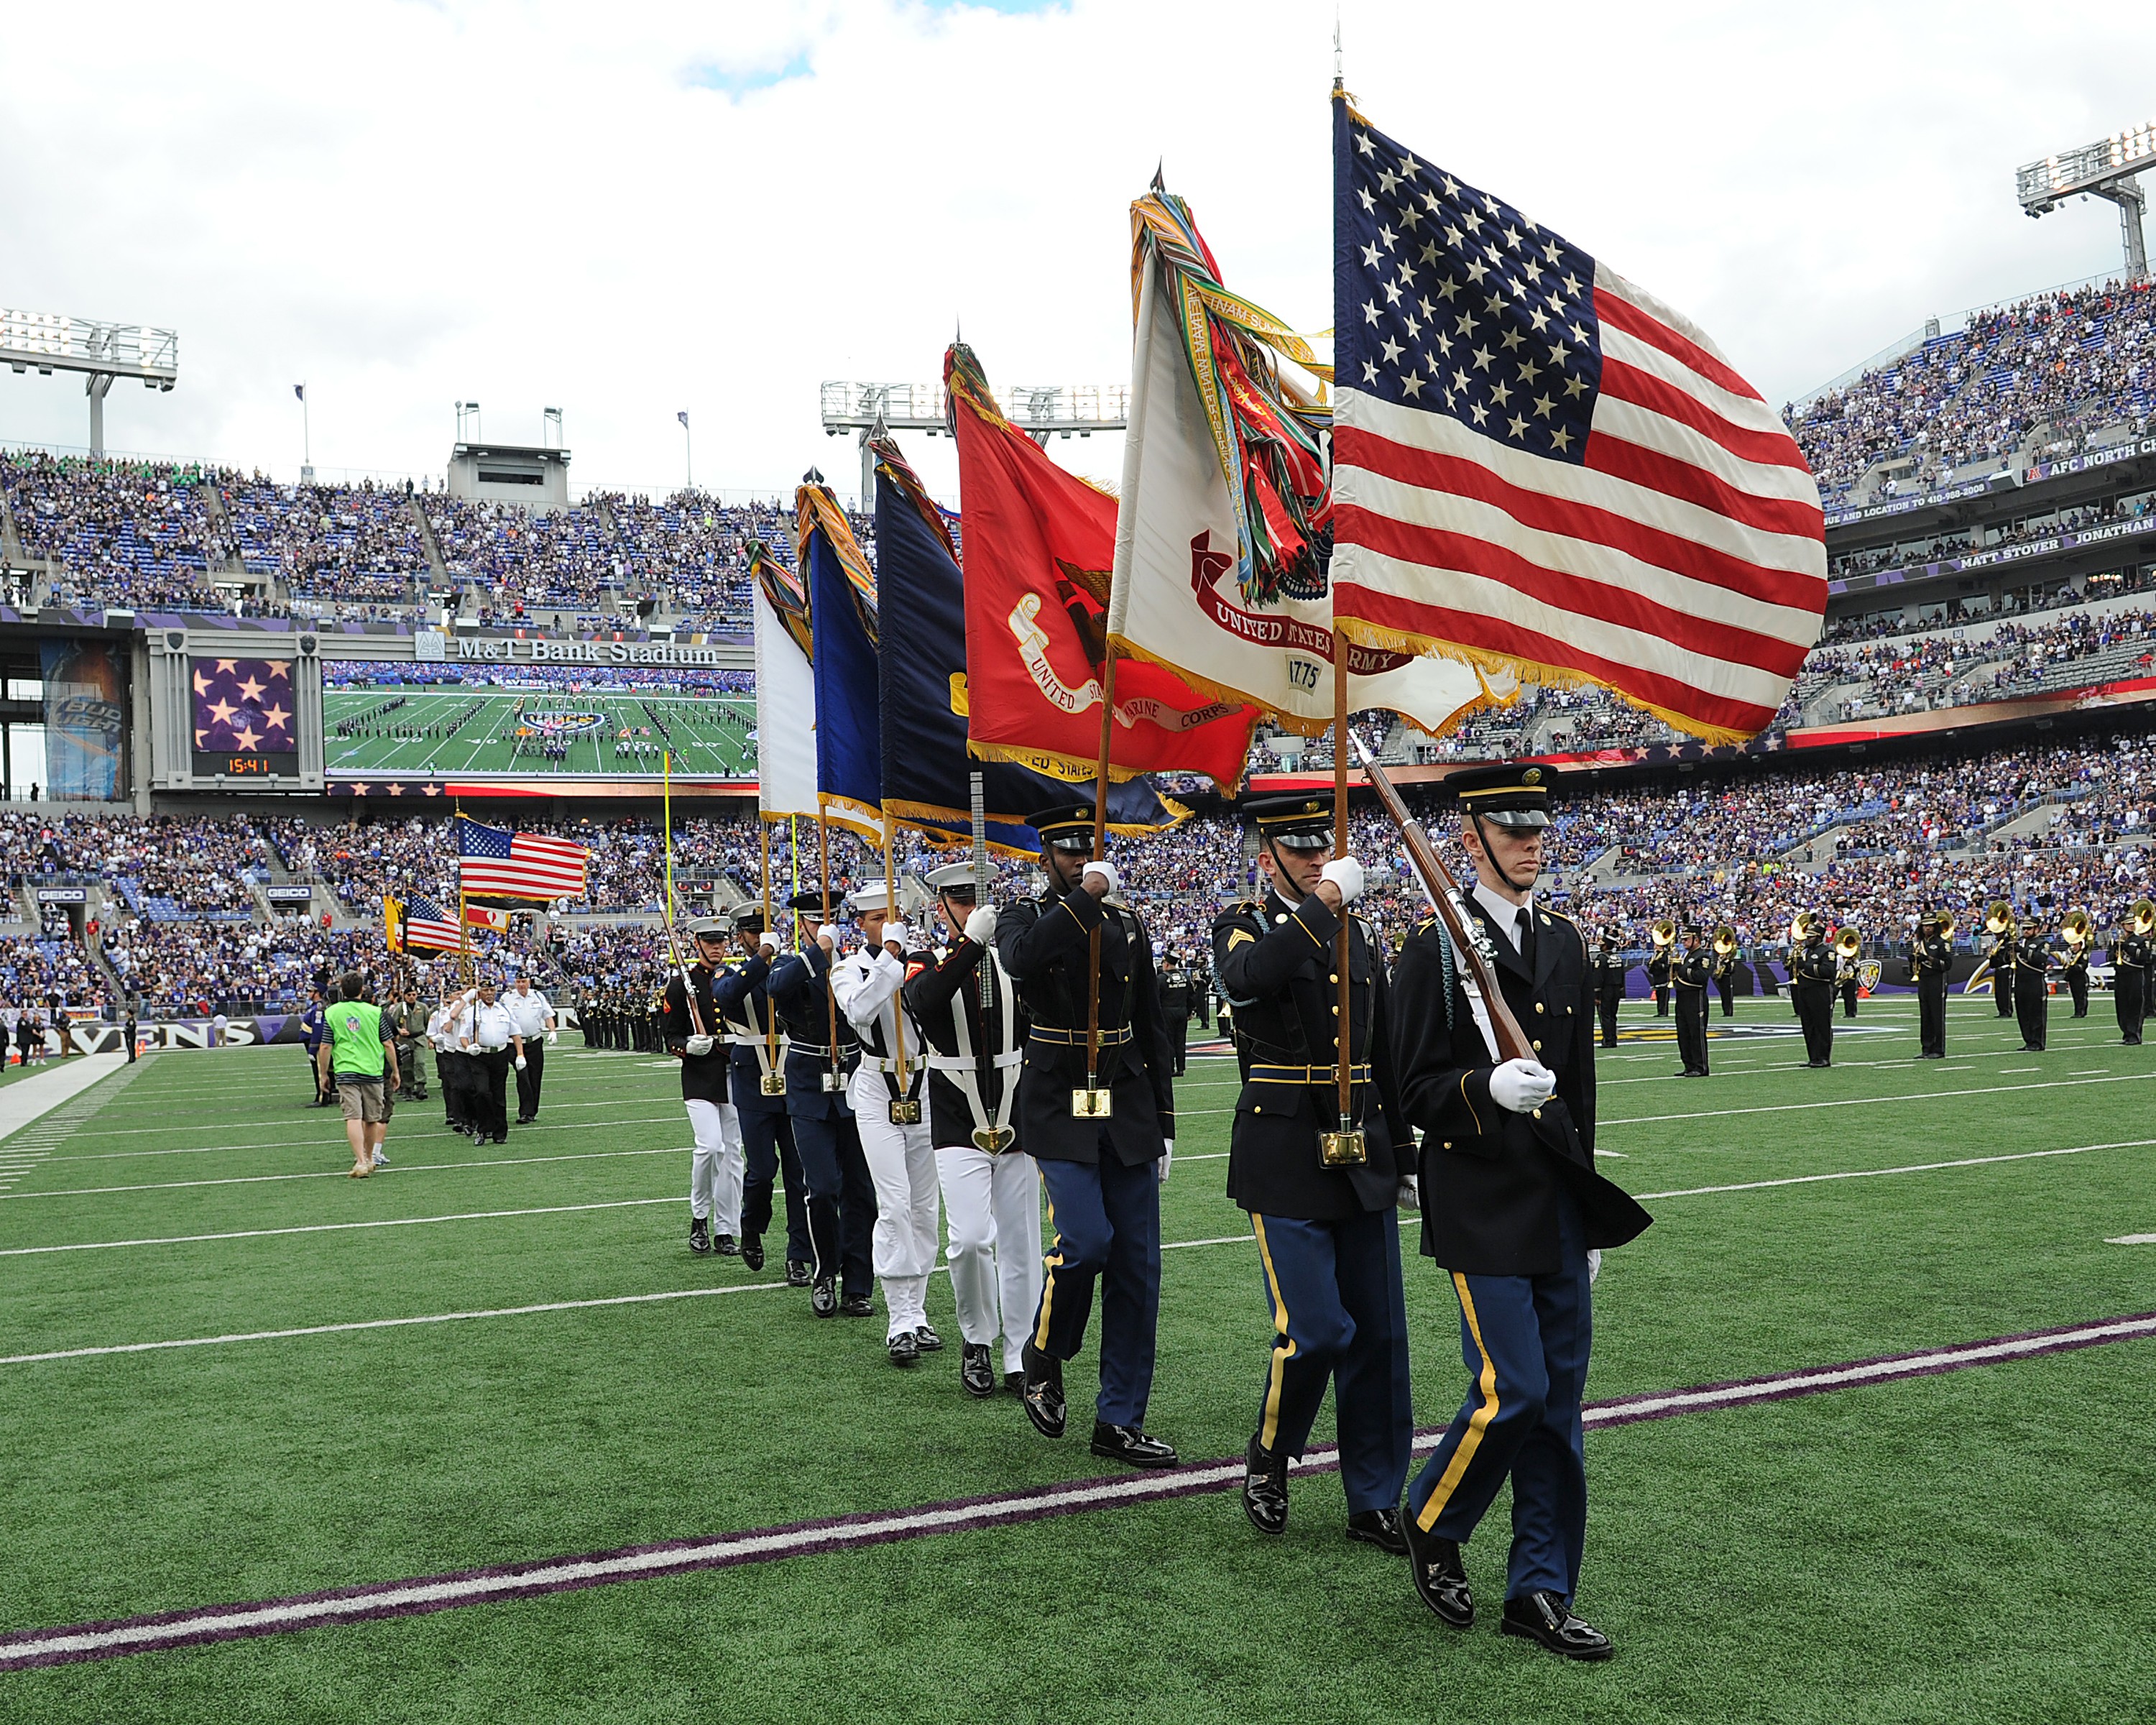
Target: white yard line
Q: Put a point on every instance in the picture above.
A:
(1931, 1096)
(408, 1167)
(1914, 1168)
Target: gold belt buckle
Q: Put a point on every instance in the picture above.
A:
(1343, 1149)
(905, 1111)
(993, 1139)
(1091, 1103)
(774, 1084)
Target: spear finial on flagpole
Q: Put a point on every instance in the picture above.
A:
(1339, 82)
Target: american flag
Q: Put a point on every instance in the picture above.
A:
(429, 926)
(1538, 466)
(497, 863)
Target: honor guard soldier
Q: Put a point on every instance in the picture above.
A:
(1661, 962)
(819, 1069)
(2130, 956)
(757, 1077)
(2032, 992)
(1104, 1137)
(1513, 1207)
(1175, 993)
(690, 1023)
(891, 1115)
(1321, 1190)
(1929, 961)
(1608, 967)
(1811, 987)
(2002, 970)
(1691, 975)
(975, 1029)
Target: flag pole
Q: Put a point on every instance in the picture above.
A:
(1093, 1103)
(904, 1108)
(463, 921)
(824, 877)
(770, 1018)
(666, 815)
(1345, 1146)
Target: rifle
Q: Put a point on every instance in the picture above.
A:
(1469, 938)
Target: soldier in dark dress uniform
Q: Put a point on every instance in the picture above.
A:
(1692, 974)
(689, 1020)
(1175, 1007)
(757, 1075)
(2129, 980)
(1326, 1236)
(1811, 989)
(1609, 970)
(1511, 1207)
(842, 1205)
(2032, 991)
(1929, 961)
(1103, 1175)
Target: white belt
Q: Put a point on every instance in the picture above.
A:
(962, 1063)
(745, 1039)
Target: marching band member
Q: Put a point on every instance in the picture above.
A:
(1811, 986)
(1931, 960)
(1692, 974)
(2032, 992)
(2129, 972)
(975, 1031)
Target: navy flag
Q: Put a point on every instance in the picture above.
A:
(842, 610)
(920, 607)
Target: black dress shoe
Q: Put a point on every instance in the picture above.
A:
(903, 1349)
(977, 1369)
(1264, 1489)
(860, 1306)
(700, 1234)
(797, 1273)
(1547, 1617)
(1441, 1579)
(1380, 1528)
(824, 1297)
(1129, 1443)
(1014, 1382)
(752, 1251)
(1042, 1387)
(723, 1246)
(929, 1340)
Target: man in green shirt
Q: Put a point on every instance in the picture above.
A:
(356, 1050)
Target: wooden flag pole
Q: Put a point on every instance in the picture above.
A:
(1093, 1102)
(904, 1108)
(770, 1018)
(1345, 1147)
(830, 995)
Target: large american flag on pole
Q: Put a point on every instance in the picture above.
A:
(500, 863)
(425, 926)
(1538, 467)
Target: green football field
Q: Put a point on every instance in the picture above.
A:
(508, 1355)
(709, 733)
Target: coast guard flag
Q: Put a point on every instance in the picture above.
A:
(843, 660)
(921, 616)
(1538, 467)
(1227, 584)
(785, 689)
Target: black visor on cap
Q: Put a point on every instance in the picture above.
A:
(1304, 840)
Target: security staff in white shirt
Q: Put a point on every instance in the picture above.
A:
(533, 1020)
(494, 1044)
(892, 1118)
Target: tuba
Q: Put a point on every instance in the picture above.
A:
(2078, 930)
(2141, 917)
(1946, 926)
(1801, 927)
(1847, 942)
(1663, 932)
(1999, 918)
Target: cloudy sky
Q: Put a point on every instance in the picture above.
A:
(629, 209)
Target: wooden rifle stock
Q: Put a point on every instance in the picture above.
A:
(1469, 939)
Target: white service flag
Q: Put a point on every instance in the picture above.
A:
(785, 717)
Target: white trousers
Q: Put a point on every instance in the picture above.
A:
(993, 1204)
(714, 1167)
(902, 1162)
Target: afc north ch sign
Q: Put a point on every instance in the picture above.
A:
(432, 646)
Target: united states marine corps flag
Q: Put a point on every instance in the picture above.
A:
(1039, 552)
(1225, 526)
(1538, 467)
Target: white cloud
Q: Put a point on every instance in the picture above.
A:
(626, 210)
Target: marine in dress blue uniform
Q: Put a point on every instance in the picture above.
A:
(1328, 1239)
(1511, 1208)
(744, 1003)
(1102, 1175)
(842, 1207)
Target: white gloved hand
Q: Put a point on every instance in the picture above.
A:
(1409, 1195)
(520, 1063)
(553, 1037)
(1167, 1157)
(1345, 873)
(899, 935)
(700, 1045)
(981, 925)
(827, 937)
(1521, 1087)
(1106, 871)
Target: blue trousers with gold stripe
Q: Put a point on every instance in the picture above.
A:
(1107, 1218)
(1526, 1340)
(1339, 1313)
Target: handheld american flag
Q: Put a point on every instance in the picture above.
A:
(497, 863)
(425, 927)
(1539, 468)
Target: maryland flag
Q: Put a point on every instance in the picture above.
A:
(1039, 547)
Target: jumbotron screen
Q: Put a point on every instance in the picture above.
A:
(385, 721)
(246, 722)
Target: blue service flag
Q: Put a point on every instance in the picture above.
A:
(849, 726)
(922, 621)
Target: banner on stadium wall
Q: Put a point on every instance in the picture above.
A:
(85, 720)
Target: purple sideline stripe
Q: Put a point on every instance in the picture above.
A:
(27, 1649)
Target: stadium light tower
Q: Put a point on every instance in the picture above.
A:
(1037, 409)
(2107, 168)
(102, 351)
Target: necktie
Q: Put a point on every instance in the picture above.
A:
(1525, 925)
